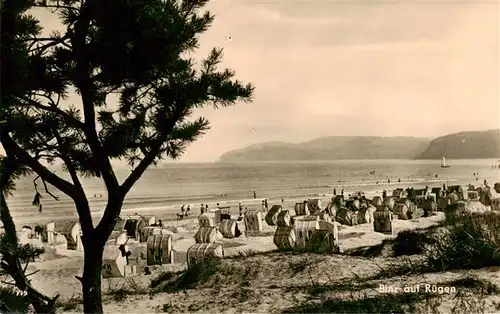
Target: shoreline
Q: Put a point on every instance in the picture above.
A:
(64, 210)
(169, 212)
(58, 266)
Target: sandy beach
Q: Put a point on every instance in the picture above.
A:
(56, 268)
(335, 156)
(169, 212)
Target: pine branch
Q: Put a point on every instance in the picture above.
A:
(13, 149)
(109, 216)
(85, 217)
(152, 154)
(149, 157)
(47, 190)
(31, 274)
(67, 159)
(26, 266)
(9, 167)
(41, 302)
(5, 307)
(8, 283)
(54, 109)
(45, 186)
(57, 7)
(40, 50)
(36, 199)
(88, 92)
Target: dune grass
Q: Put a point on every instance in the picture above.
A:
(382, 303)
(411, 242)
(200, 272)
(472, 241)
(407, 242)
(129, 286)
(13, 302)
(371, 250)
(465, 241)
(195, 274)
(453, 213)
(469, 297)
(69, 304)
(476, 285)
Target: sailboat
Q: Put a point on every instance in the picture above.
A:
(443, 163)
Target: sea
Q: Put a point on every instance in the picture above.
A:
(167, 187)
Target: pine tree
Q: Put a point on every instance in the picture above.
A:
(138, 50)
(14, 255)
(15, 27)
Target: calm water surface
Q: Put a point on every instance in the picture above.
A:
(194, 183)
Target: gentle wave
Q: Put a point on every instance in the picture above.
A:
(167, 188)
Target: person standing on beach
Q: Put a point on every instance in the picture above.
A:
(254, 194)
(160, 223)
(334, 191)
(342, 192)
(244, 212)
(188, 210)
(265, 204)
(240, 208)
(202, 209)
(124, 252)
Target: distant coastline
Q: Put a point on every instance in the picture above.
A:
(169, 186)
(462, 145)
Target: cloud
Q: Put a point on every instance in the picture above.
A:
(421, 68)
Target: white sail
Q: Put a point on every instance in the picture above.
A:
(443, 163)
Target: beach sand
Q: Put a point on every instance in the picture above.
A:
(57, 267)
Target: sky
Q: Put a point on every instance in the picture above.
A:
(326, 68)
(331, 68)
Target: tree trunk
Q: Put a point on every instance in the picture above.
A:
(41, 303)
(12, 265)
(8, 223)
(94, 240)
(5, 217)
(91, 281)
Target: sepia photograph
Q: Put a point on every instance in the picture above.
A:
(250, 156)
